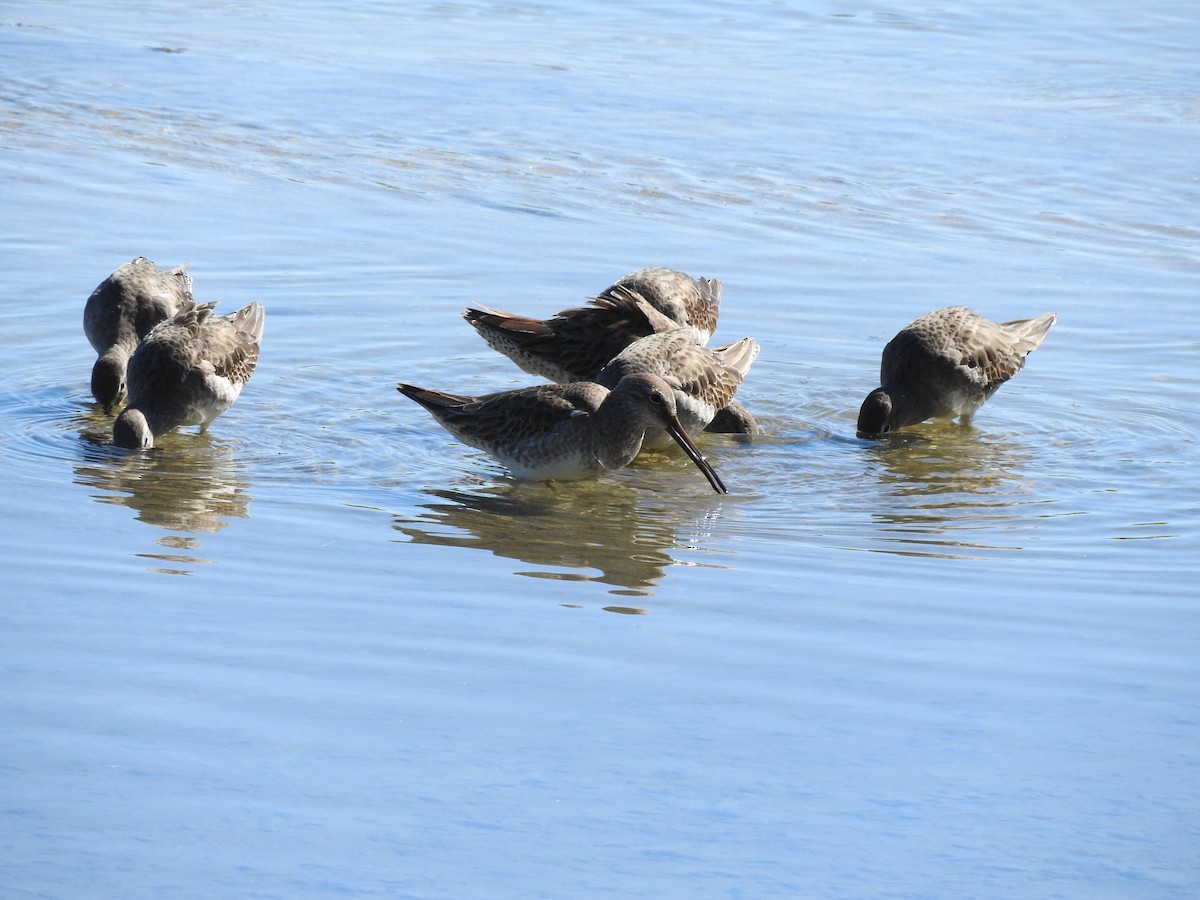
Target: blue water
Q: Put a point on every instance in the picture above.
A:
(323, 650)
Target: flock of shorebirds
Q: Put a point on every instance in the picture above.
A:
(630, 369)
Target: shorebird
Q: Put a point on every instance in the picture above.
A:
(121, 311)
(188, 370)
(575, 344)
(564, 431)
(704, 380)
(945, 364)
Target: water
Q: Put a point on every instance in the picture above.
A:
(324, 650)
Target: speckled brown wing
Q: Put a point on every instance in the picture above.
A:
(704, 381)
(588, 337)
(229, 345)
(989, 362)
(947, 363)
(508, 417)
(572, 345)
(674, 356)
(684, 300)
(930, 344)
(715, 385)
(986, 352)
(195, 360)
(188, 370)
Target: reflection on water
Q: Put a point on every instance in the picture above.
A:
(174, 560)
(948, 490)
(586, 531)
(186, 484)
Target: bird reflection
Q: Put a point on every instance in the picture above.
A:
(589, 531)
(937, 484)
(189, 484)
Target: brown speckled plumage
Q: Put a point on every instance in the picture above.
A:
(575, 344)
(563, 431)
(704, 380)
(188, 370)
(121, 311)
(945, 364)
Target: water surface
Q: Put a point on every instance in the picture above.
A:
(325, 650)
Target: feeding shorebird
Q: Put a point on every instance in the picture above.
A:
(704, 380)
(188, 370)
(945, 364)
(564, 431)
(121, 311)
(575, 344)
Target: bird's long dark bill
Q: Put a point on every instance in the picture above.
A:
(681, 438)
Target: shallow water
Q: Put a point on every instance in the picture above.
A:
(324, 649)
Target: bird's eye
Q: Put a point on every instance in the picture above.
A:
(657, 397)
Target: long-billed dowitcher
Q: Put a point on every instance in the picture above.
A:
(945, 364)
(121, 311)
(704, 380)
(575, 344)
(564, 431)
(188, 370)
